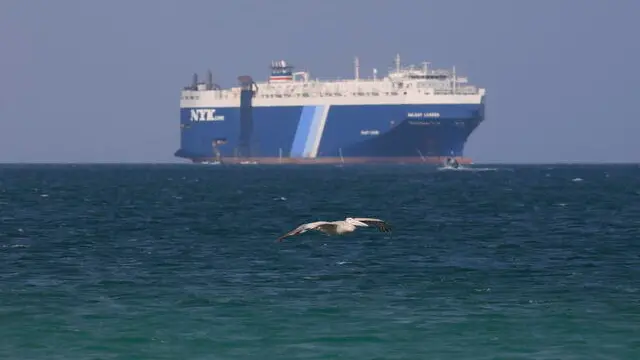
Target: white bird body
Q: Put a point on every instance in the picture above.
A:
(338, 227)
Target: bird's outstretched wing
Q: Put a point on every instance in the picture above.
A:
(380, 224)
(318, 225)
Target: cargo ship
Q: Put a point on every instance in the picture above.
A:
(413, 114)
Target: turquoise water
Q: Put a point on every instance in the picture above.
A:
(180, 262)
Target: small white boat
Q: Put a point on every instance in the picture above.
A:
(451, 163)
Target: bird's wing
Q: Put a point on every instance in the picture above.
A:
(380, 224)
(304, 228)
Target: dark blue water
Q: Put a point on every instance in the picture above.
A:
(180, 262)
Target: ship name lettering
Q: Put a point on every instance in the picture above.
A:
(423, 115)
(205, 115)
(369, 132)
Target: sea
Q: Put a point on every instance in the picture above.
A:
(181, 262)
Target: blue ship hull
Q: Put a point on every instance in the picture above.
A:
(364, 132)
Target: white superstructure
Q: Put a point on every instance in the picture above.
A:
(402, 85)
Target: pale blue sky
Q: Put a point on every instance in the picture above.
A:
(94, 81)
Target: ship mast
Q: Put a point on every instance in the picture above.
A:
(425, 67)
(455, 80)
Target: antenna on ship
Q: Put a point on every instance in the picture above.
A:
(398, 62)
(209, 80)
(357, 65)
(194, 84)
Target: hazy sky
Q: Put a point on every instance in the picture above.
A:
(94, 81)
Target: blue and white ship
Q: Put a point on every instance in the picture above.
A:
(414, 114)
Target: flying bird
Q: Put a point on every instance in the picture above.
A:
(338, 227)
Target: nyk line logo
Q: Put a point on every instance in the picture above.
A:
(205, 115)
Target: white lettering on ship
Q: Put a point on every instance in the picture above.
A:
(369, 132)
(415, 115)
(205, 115)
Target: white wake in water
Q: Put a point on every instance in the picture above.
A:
(465, 168)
